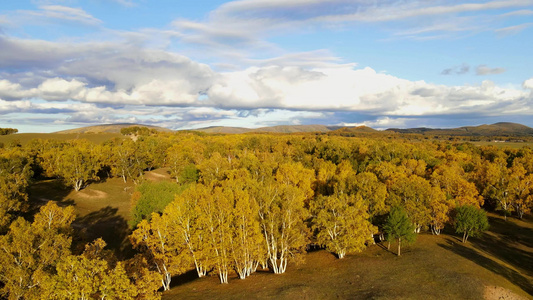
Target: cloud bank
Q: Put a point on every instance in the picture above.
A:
(139, 77)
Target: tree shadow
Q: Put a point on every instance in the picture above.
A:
(502, 242)
(43, 191)
(489, 264)
(105, 224)
(500, 248)
(510, 232)
(184, 278)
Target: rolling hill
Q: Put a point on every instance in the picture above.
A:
(109, 128)
(497, 129)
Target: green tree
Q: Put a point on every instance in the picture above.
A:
(399, 227)
(470, 221)
(150, 197)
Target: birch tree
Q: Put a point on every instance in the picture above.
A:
(189, 223)
(493, 178)
(30, 251)
(246, 241)
(414, 194)
(282, 214)
(342, 223)
(521, 190)
(161, 247)
(15, 175)
(217, 212)
(77, 163)
(128, 160)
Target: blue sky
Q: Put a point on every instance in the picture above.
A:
(254, 63)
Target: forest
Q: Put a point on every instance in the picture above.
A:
(239, 203)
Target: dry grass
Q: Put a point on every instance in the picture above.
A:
(435, 267)
(102, 210)
(512, 145)
(24, 138)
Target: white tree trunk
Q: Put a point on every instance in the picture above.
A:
(399, 245)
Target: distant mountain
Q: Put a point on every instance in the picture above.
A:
(223, 130)
(293, 128)
(357, 129)
(271, 129)
(110, 128)
(497, 129)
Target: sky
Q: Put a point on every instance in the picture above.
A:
(253, 63)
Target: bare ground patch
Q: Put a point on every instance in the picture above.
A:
(500, 293)
(157, 175)
(92, 194)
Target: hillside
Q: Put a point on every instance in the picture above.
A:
(270, 129)
(357, 129)
(24, 138)
(223, 130)
(293, 128)
(109, 128)
(497, 129)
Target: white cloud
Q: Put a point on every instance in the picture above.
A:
(64, 13)
(127, 3)
(528, 84)
(515, 29)
(245, 20)
(156, 78)
(382, 123)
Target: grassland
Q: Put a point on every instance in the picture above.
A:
(24, 138)
(513, 145)
(103, 209)
(495, 266)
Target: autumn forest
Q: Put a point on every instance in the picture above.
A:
(239, 203)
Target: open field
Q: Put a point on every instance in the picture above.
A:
(513, 145)
(435, 267)
(24, 138)
(102, 209)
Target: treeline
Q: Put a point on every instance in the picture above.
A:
(243, 202)
(7, 131)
